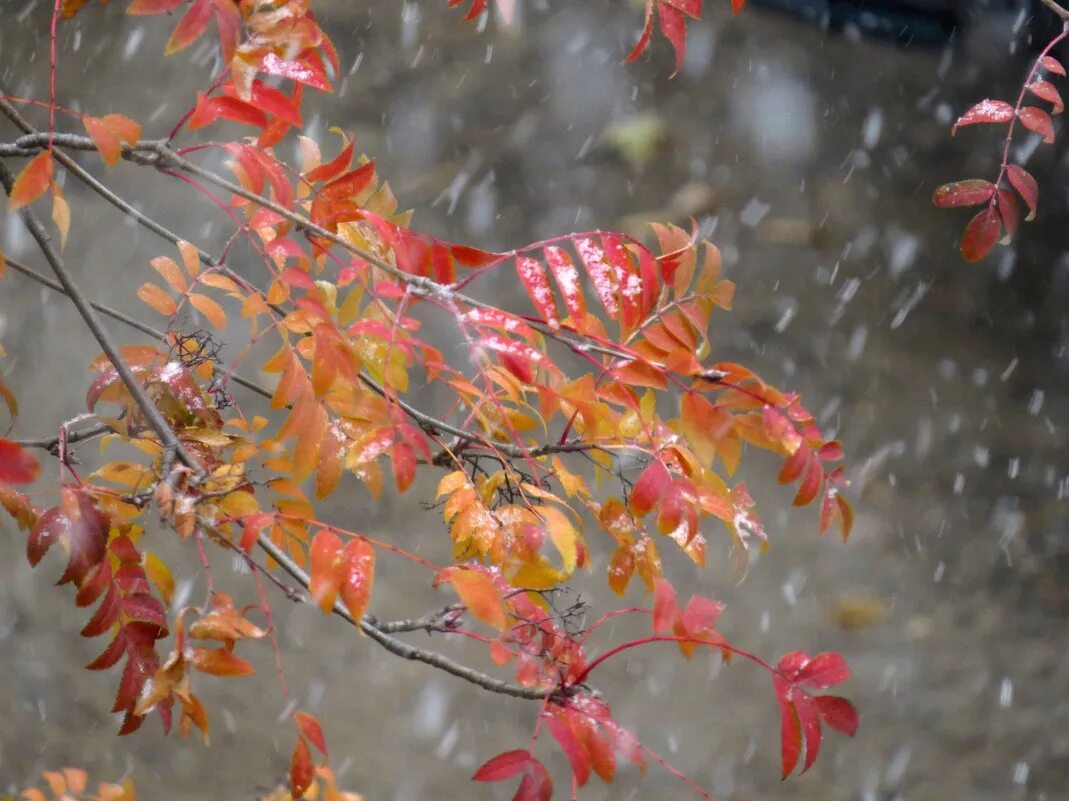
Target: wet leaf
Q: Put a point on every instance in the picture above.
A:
(981, 234)
(986, 111)
(32, 182)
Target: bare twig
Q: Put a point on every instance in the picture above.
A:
(52, 444)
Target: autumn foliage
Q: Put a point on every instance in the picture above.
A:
(1001, 199)
(587, 425)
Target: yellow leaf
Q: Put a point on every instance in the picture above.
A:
(210, 309)
(158, 299)
(160, 575)
(61, 215)
(563, 534)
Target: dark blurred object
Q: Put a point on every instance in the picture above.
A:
(922, 22)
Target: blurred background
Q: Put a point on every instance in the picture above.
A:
(806, 138)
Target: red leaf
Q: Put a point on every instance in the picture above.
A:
(350, 184)
(1046, 91)
(981, 234)
(665, 606)
(303, 70)
(301, 769)
(1009, 211)
(810, 486)
(311, 730)
(504, 766)
(403, 459)
(250, 532)
(270, 100)
(674, 28)
(152, 6)
(649, 488)
(568, 280)
(1051, 64)
(809, 718)
(112, 654)
(536, 282)
(790, 727)
(701, 615)
(106, 614)
(574, 750)
(823, 671)
(972, 192)
(334, 167)
(32, 182)
(838, 713)
(602, 275)
(190, 27)
(986, 111)
(1038, 121)
(1026, 186)
(644, 39)
(210, 109)
(17, 465)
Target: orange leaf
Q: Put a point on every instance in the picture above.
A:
(171, 273)
(158, 299)
(33, 181)
(357, 577)
(478, 592)
(17, 465)
(210, 309)
(220, 662)
(109, 133)
(61, 216)
(310, 729)
(301, 769)
(325, 569)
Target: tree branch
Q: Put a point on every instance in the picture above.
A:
(160, 425)
(107, 311)
(369, 626)
(1058, 9)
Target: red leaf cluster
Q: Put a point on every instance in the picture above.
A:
(1002, 213)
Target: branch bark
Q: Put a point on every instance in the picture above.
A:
(368, 625)
(152, 414)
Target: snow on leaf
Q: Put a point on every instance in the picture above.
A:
(1045, 90)
(1051, 64)
(986, 111)
(1038, 121)
(972, 192)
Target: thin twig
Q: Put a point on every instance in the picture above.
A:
(152, 414)
(107, 311)
(52, 444)
(400, 647)
(1062, 13)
